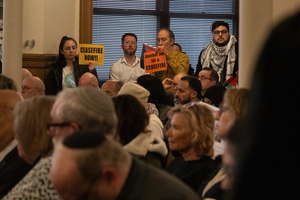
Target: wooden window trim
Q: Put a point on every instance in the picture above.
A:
(86, 22)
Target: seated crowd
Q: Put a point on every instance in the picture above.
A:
(138, 136)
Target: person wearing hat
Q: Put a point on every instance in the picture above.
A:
(155, 125)
(88, 165)
(214, 95)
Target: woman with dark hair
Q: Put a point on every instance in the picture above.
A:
(157, 96)
(65, 73)
(214, 95)
(132, 132)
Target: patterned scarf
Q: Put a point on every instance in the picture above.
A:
(215, 56)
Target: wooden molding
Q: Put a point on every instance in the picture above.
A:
(86, 22)
(38, 60)
(38, 64)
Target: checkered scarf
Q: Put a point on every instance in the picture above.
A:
(215, 55)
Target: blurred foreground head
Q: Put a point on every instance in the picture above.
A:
(267, 163)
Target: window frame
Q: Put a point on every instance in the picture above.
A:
(162, 11)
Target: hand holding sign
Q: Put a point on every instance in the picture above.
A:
(92, 66)
(155, 61)
(91, 53)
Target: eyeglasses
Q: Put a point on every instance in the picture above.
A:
(28, 88)
(130, 42)
(203, 78)
(218, 32)
(58, 125)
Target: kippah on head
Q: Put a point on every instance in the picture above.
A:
(84, 140)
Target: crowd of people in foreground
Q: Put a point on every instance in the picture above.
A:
(157, 139)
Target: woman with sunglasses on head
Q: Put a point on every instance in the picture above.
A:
(65, 73)
(191, 134)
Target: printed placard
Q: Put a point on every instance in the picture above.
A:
(155, 61)
(91, 53)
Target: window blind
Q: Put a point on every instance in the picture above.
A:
(108, 30)
(190, 20)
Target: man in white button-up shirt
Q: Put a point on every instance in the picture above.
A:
(128, 68)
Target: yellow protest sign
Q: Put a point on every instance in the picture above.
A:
(155, 61)
(91, 53)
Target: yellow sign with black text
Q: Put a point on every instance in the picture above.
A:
(91, 53)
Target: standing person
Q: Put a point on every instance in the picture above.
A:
(127, 68)
(65, 73)
(177, 47)
(177, 61)
(221, 53)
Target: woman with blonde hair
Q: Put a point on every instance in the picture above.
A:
(191, 134)
(35, 147)
(233, 109)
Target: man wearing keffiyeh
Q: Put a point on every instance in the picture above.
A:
(221, 53)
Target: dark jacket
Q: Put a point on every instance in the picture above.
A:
(12, 170)
(223, 75)
(53, 81)
(149, 183)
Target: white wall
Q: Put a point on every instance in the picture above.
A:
(47, 21)
(284, 8)
(257, 18)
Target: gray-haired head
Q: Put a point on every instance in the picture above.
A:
(90, 108)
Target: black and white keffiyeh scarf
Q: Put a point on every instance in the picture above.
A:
(215, 56)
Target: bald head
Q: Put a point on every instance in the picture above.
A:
(88, 80)
(32, 86)
(25, 73)
(111, 88)
(8, 100)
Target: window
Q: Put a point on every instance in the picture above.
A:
(189, 20)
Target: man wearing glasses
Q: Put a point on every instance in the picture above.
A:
(208, 77)
(32, 86)
(127, 68)
(81, 108)
(220, 53)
